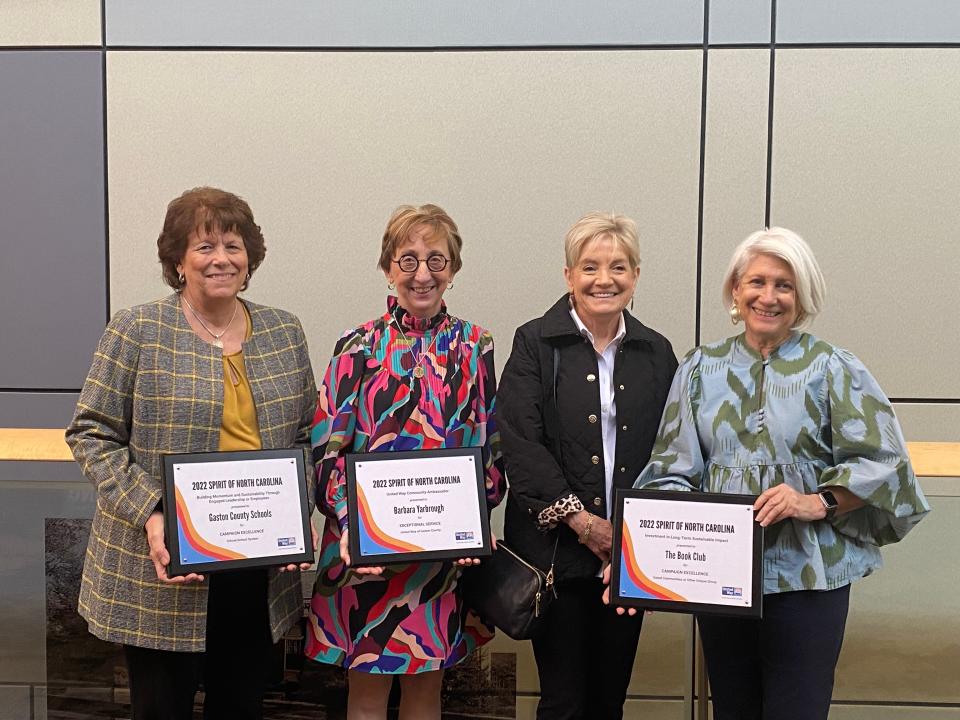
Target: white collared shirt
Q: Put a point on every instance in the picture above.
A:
(608, 403)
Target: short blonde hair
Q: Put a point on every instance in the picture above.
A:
(405, 218)
(597, 225)
(794, 251)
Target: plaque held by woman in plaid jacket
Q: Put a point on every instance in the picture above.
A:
(198, 371)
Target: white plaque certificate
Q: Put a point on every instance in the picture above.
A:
(416, 506)
(687, 552)
(228, 510)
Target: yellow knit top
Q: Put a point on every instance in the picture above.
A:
(239, 429)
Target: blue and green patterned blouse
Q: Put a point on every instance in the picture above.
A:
(811, 416)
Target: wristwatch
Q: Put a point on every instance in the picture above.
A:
(830, 503)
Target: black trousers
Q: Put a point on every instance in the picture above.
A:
(780, 667)
(584, 655)
(233, 669)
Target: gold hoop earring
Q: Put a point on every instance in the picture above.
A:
(735, 314)
(182, 279)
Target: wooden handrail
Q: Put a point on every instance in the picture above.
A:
(45, 444)
(935, 459)
(930, 459)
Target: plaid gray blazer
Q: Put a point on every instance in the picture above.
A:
(155, 387)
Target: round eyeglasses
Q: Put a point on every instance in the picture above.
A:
(411, 263)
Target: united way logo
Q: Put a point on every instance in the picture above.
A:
(464, 535)
(729, 591)
(286, 542)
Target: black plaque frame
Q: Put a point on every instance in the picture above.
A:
(171, 521)
(453, 553)
(755, 609)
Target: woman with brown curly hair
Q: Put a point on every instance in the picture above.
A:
(200, 370)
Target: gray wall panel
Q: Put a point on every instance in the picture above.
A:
(40, 471)
(866, 21)
(402, 23)
(739, 21)
(36, 410)
(15, 702)
(51, 202)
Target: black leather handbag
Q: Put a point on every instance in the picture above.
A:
(507, 591)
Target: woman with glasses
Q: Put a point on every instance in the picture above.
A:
(415, 378)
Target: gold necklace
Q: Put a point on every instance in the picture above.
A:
(217, 342)
(418, 371)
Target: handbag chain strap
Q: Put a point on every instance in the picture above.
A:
(556, 406)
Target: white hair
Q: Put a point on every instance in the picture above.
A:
(794, 251)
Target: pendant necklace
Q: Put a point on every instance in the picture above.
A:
(418, 371)
(217, 342)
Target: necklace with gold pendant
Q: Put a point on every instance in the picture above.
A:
(217, 342)
(418, 372)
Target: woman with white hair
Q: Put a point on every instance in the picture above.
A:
(778, 413)
(579, 406)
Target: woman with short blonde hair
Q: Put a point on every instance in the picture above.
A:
(580, 402)
(619, 229)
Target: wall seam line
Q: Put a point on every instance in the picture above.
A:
(770, 97)
(700, 191)
(854, 45)
(106, 167)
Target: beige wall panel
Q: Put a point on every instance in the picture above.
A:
(903, 634)
(659, 667)
(515, 145)
(940, 486)
(922, 422)
(735, 170)
(50, 22)
(935, 422)
(865, 153)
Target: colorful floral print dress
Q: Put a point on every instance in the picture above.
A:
(811, 416)
(411, 619)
